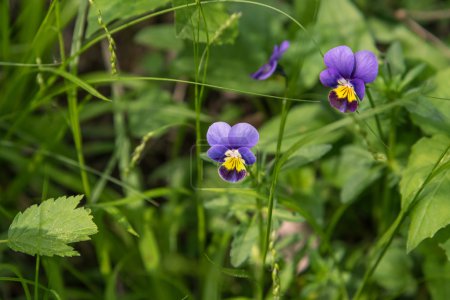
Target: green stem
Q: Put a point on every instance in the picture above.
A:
(276, 170)
(72, 96)
(259, 206)
(201, 231)
(36, 278)
(3, 241)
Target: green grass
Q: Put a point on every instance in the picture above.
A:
(113, 100)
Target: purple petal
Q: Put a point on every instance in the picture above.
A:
(366, 66)
(342, 104)
(247, 155)
(342, 59)
(278, 51)
(329, 77)
(243, 135)
(217, 153)
(359, 87)
(218, 134)
(265, 71)
(339, 104)
(352, 106)
(231, 175)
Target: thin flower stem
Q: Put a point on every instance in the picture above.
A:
(198, 103)
(276, 170)
(72, 95)
(36, 277)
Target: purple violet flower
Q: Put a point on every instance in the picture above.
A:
(268, 69)
(230, 146)
(347, 74)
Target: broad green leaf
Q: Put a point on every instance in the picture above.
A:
(161, 36)
(432, 211)
(154, 111)
(48, 228)
(245, 239)
(112, 10)
(306, 155)
(432, 112)
(357, 170)
(220, 28)
(349, 25)
(414, 47)
(395, 59)
(394, 273)
(436, 269)
(301, 119)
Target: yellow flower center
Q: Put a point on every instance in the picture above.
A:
(234, 161)
(345, 90)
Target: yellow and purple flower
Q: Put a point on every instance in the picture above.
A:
(269, 68)
(231, 147)
(347, 74)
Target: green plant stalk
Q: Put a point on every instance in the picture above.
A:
(386, 240)
(36, 277)
(392, 140)
(377, 120)
(198, 94)
(72, 96)
(276, 171)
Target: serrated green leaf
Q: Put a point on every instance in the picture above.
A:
(46, 229)
(245, 238)
(221, 27)
(432, 211)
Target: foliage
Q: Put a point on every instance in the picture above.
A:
(48, 228)
(337, 206)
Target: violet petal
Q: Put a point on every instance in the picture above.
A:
(352, 106)
(366, 66)
(231, 175)
(329, 77)
(342, 59)
(243, 135)
(265, 71)
(339, 104)
(359, 87)
(247, 155)
(218, 133)
(278, 51)
(217, 152)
